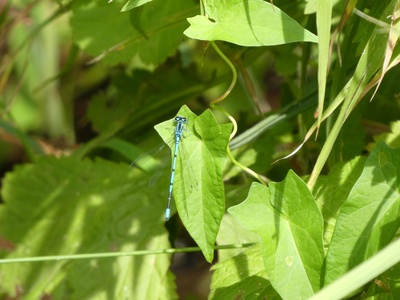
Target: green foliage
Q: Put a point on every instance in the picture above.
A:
(85, 83)
(131, 4)
(333, 190)
(252, 282)
(149, 34)
(366, 221)
(289, 225)
(57, 207)
(231, 21)
(205, 145)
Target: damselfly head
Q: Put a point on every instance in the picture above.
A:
(180, 119)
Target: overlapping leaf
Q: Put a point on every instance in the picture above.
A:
(332, 190)
(68, 206)
(242, 277)
(246, 23)
(200, 207)
(152, 32)
(232, 233)
(290, 227)
(131, 4)
(370, 216)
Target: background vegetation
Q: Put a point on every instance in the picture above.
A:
(291, 148)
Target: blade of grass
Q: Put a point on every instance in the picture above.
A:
(370, 62)
(363, 273)
(324, 12)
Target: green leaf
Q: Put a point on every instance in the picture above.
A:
(129, 150)
(391, 138)
(68, 206)
(242, 277)
(131, 4)
(370, 216)
(201, 207)
(231, 232)
(324, 16)
(247, 23)
(101, 30)
(332, 190)
(290, 227)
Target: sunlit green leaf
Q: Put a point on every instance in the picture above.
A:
(101, 30)
(370, 216)
(332, 190)
(290, 227)
(68, 206)
(247, 23)
(200, 207)
(131, 4)
(391, 138)
(230, 232)
(242, 277)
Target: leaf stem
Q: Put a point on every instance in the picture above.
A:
(234, 75)
(232, 119)
(117, 254)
